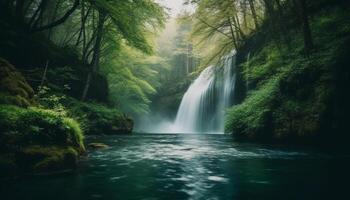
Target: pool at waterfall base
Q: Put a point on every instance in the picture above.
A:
(191, 166)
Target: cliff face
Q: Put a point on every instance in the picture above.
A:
(284, 95)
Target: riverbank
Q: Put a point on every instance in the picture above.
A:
(42, 131)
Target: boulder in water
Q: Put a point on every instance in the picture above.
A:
(98, 146)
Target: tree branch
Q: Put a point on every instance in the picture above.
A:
(59, 21)
(214, 28)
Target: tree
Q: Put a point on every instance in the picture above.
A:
(304, 18)
(252, 9)
(56, 22)
(97, 53)
(129, 19)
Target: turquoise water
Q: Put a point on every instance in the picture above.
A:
(191, 166)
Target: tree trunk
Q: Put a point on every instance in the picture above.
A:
(59, 21)
(96, 55)
(43, 79)
(41, 14)
(34, 16)
(308, 41)
(187, 59)
(19, 10)
(255, 17)
(239, 26)
(82, 34)
(234, 40)
(301, 11)
(244, 14)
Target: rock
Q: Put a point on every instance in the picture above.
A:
(14, 89)
(42, 159)
(98, 146)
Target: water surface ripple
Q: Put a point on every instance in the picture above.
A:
(191, 166)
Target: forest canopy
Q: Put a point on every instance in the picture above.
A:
(100, 32)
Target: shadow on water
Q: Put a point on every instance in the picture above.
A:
(191, 166)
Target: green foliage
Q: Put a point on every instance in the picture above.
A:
(252, 116)
(291, 96)
(222, 25)
(13, 100)
(145, 15)
(48, 100)
(131, 76)
(262, 66)
(76, 133)
(177, 67)
(124, 23)
(99, 119)
(22, 127)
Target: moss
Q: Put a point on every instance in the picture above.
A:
(13, 100)
(38, 140)
(48, 159)
(76, 135)
(13, 87)
(22, 127)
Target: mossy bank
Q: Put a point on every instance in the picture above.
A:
(43, 131)
(292, 97)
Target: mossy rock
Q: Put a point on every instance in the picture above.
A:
(14, 89)
(8, 166)
(34, 140)
(98, 146)
(43, 159)
(22, 127)
(38, 159)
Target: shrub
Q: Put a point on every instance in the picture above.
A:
(251, 117)
(99, 119)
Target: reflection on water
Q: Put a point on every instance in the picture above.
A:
(185, 166)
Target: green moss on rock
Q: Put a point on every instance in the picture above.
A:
(14, 89)
(37, 140)
(23, 127)
(47, 159)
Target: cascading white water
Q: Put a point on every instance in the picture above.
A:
(194, 103)
(227, 88)
(202, 108)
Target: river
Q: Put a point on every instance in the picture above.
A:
(191, 166)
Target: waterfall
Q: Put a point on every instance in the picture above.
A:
(203, 106)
